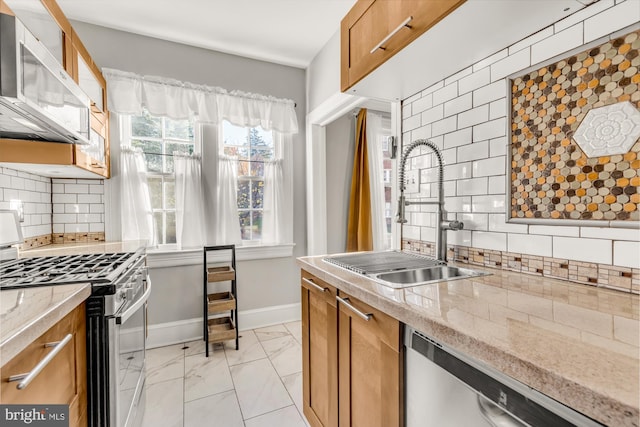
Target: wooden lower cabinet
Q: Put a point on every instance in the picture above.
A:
(319, 352)
(63, 380)
(352, 367)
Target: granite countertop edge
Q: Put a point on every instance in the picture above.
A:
(35, 324)
(601, 407)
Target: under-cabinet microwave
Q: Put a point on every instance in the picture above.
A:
(38, 100)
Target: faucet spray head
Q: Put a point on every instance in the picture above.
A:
(401, 204)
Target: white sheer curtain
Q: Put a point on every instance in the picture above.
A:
(376, 180)
(190, 224)
(136, 213)
(277, 221)
(227, 224)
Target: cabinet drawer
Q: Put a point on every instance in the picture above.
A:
(63, 380)
(373, 32)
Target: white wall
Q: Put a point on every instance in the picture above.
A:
(261, 283)
(466, 116)
(340, 148)
(323, 74)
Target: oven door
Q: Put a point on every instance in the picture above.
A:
(127, 342)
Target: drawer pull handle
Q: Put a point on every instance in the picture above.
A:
(347, 303)
(25, 379)
(310, 282)
(405, 23)
(98, 165)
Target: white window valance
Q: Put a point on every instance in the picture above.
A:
(129, 93)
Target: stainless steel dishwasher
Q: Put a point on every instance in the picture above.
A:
(446, 389)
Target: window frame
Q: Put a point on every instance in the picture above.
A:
(126, 138)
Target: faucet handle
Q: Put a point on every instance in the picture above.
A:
(453, 225)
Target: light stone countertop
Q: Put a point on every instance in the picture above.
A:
(575, 343)
(27, 313)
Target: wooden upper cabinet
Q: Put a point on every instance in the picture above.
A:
(320, 352)
(78, 63)
(370, 365)
(375, 30)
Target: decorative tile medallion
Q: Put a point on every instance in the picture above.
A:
(552, 177)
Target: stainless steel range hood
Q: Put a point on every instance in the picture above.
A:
(39, 101)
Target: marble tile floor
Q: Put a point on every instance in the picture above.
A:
(259, 385)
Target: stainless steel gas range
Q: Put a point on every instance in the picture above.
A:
(116, 325)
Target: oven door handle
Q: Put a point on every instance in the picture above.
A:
(120, 319)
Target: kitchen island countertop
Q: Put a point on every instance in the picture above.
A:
(27, 313)
(577, 344)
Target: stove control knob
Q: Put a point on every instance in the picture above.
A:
(122, 294)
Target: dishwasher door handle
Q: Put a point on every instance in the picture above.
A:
(495, 415)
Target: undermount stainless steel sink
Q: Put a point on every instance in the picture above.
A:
(422, 276)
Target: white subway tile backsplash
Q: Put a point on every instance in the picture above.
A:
(411, 232)
(457, 139)
(473, 117)
(458, 75)
(490, 166)
(626, 254)
(449, 189)
(509, 65)
(422, 104)
(475, 80)
(406, 109)
(489, 93)
(554, 230)
(474, 151)
(30, 185)
(96, 228)
(444, 126)
(457, 105)
(17, 183)
(422, 219)
(449, 156)
(488, 130)
(610, 233)
(57, 188)
(58, 208)
(457, 171)
(581, 249)
(97, 208)
(498, 109)
(473, 186)
(497, 184)
(497, 222)
(498, 146)
(461, 237)
(5, 181)
(89, 198)
(433, 88)
(583, 14)
(76, 208)
(446, 93)
(489, 203)
(413, 98)
(65, 218)
(434, 114)
(611, 20)
(427, 234)
(408, 123)
(490, 59)
(458, 204)
(76, 228)
(423, 132)
(558, 43)
(76, 188)
(9, 172)
(488, 240)
(58, 228)
(64, 198)
(534, 38)
(474, 221)
(529, 244)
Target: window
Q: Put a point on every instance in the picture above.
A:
(159, 138)
(387, 170)
(252, 146)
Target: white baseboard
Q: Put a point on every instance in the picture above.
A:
(181, 331)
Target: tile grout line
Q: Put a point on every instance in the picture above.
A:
(235, 391)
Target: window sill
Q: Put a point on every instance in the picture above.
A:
(164, 257)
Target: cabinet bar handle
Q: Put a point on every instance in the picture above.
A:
(98, 165)
(391, 34)
(347, 303)
(310, 282)
(29, 376)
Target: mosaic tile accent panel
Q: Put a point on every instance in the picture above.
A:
(624, 279)
(551, 177)
(36, 242)
(59, 238)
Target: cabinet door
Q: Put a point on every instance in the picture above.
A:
(319, 352)
(379, 23)
(370, 366)
(63, 380)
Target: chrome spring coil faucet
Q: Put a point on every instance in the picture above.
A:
(442, 224)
